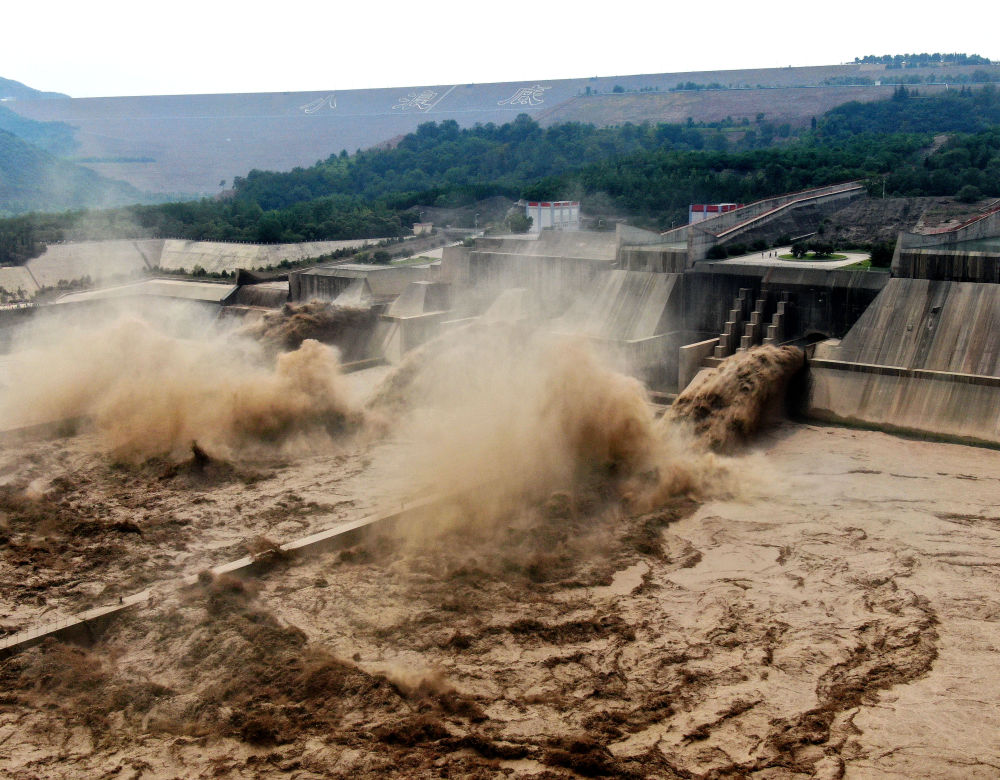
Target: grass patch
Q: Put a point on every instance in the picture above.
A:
(418, 260)
(812, 257)
(865, 265)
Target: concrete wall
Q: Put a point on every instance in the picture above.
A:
(924, 358)
(947, 265)
(627, 305)
(557, 280)
(667, 258)
(217, 256)
(708, 297)
(825, 301)
(938, 404)
(581, 244)
(395, 336)
(455, 265)
(987, 226)
(316, 286)
(922, 324)
(421, 298)
(690, 358)
(100, 260)
(728, 226)
(633, 236)
(327, 282)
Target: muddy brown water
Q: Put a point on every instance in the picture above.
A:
(836, 616)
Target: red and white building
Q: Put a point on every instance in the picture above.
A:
(558, 214)
(697, 212)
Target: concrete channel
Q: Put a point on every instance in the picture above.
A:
(84, 626)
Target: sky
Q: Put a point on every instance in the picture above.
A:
(108, 47)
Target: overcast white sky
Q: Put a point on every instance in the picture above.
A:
(111, 47)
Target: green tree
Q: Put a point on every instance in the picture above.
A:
(519, 222)
(881, 254)
(969, 194)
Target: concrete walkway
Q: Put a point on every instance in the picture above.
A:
(772, 257)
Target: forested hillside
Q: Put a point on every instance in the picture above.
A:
(31, 178)
(444, 157)
(963, 110)
(57, 138)
(648, 173)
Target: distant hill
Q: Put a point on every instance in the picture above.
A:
(648, 174)
(32, 179)
(10, 89)
(56, 138)
(199, 143)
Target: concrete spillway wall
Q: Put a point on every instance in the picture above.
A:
(100, 260)
(924, 358)
(637, 316)
(939, 404)
(555, 279)
(935, 326)
(947, 265)
(626, 305)
(668, 258)
(828, 302)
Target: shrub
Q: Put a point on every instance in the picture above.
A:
(881, 254)
(821, 248)
(519, 223)
(969, 194)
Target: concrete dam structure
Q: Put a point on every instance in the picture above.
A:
(924, 358)
(914, 350)
(888, 350)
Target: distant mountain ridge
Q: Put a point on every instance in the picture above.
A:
(31, 179)
(15, 90)
(56, 138)
(198, 144)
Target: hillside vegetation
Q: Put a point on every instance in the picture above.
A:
(649, 173)
(57, 138)
(31, 178)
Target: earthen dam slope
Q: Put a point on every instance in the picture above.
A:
(196, 144)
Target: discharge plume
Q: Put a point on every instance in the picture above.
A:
(149, 393)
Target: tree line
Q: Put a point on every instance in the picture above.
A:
(650, 172)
